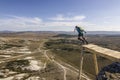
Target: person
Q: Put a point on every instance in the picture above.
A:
(81, 34)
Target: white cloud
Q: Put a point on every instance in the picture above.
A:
(34, 20)
(35, 23)
(17, 23)
(60, 17)
(20, 23)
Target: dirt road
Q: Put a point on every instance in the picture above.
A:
(64, 68)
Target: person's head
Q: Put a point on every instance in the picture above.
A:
(76, 26)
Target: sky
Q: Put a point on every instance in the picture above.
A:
(59, 15)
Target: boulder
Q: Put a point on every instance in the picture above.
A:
(110, 72)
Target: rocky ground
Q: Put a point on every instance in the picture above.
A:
(110, 72)
(26, 60)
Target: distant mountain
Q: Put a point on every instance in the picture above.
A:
(105, 32)
(92, 32)
(6, 31)
(66, 32)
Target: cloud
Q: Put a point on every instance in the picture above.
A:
(112, 19)
(60, 17)
(105, 28)
(34, 20)
(59, 24)
(19, 23)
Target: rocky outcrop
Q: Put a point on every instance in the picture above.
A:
(110, 72)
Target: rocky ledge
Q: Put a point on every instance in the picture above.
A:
(110, 72)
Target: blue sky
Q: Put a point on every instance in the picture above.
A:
(59, 15)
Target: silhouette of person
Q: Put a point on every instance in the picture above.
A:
(81, 34)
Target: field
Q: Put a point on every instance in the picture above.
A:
(23, 57)
(68, 49)
(52, 56)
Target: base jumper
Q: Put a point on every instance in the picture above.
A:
(81, 34)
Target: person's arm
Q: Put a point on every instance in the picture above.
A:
(84, 31)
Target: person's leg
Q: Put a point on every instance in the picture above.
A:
(84, 40)
(79, 38)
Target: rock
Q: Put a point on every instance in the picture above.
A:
(110, 72)
(1, 75)
(4, 73)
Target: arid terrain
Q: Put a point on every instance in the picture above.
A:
(48, 56)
